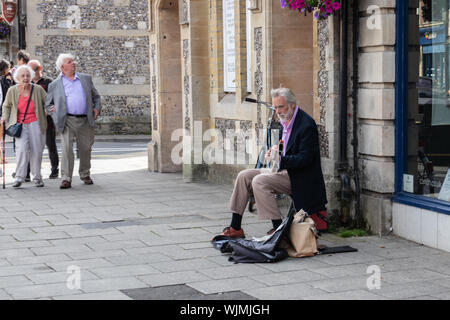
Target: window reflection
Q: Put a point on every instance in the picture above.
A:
(431, 129)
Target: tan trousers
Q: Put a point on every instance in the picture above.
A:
(84, 134)
(264, 185)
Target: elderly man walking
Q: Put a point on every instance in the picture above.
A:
(74, 104)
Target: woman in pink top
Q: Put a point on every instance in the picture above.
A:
(30, 144)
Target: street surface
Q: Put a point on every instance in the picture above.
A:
(141, 235)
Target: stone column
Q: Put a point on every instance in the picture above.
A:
(166, 50)
(196, 86)
(377, 112)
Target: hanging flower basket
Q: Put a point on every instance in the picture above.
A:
(5, 29)
(322, 8)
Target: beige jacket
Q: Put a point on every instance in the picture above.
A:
(9, 108)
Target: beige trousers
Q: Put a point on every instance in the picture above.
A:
(264, 185)
(76, 128)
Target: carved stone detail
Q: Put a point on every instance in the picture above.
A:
(186, 85)
(154, 87)
(183, 11)
(323, 91)
(259, 82)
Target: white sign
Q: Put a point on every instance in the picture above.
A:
(249, 50)
(445, 190)
(229, 56)
(408, 183)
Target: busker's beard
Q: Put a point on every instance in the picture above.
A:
(287, 116)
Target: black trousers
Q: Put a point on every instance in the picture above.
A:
(50, 141)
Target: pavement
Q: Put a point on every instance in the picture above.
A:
(141, 235)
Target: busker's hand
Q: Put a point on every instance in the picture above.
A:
(272, 154)
(267, 157)
(96, 113)
(52, 109)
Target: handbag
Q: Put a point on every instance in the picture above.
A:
(302, 237)
(16, 129)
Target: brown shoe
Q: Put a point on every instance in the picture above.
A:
(233, 233)
(87, 180)
(65, 184)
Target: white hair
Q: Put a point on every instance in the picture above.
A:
(22, 68)
(286, 93)
(61, 58)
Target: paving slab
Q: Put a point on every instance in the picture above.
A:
(226, 285)
(173, 278)
(40, 291)
(294, 291)
(107, 295)
(182, 292)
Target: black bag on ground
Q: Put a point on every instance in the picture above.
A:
(263, 250)
(243, 252)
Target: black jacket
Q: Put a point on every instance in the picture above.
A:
(302, 161)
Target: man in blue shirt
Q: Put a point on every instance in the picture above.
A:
(74, 104)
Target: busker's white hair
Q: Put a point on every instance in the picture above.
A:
(61, 58)
(286, 93)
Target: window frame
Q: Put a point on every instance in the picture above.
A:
(401, 118)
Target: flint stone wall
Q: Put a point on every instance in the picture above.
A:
(109, 39)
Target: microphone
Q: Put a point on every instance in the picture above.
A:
(266, 104)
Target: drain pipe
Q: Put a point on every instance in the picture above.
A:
(358, 218)
(346, 192)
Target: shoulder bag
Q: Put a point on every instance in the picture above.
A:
(16, 129)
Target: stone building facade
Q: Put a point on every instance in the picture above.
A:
(223, 52)
(110, 41)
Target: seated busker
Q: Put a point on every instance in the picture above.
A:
(299, 171)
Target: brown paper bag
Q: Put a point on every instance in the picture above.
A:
(302, 237)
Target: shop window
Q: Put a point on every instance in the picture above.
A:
(428, 171)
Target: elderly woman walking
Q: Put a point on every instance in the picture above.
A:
(24, 103)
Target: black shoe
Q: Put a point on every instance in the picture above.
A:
(17, 184)
(27, 179)
(54, 174)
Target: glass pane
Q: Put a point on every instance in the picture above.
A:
(429, 133)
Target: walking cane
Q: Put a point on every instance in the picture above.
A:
(3, 154)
